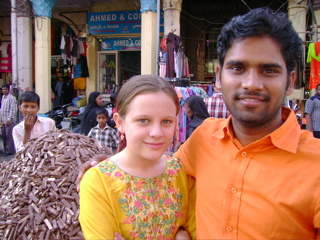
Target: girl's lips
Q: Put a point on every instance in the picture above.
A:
(154, 145)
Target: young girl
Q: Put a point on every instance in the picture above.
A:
(139, 192)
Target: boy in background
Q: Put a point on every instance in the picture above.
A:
(32, 126)
(103, 133)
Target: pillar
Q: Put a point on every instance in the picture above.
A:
(148, 36)
(92, 48)
(43, 9)
(172, 9)
(297, 12)
(24, 46)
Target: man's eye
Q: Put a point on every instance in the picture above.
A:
(236, 68)
(270, 71)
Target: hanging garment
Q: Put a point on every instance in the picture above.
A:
(173, 42)
(4, 60)
(314, 58)
(79, 83)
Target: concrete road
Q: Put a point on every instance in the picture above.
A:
(2, 157)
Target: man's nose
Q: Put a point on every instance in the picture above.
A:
(252, 81)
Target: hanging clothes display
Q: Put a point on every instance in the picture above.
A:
(173, 43)
(5, 58)
(314, 59)
(172, 61)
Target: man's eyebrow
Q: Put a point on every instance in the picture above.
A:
(271, 65)
(263, 65)
(235, 62)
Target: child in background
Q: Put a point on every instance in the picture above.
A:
(32, 126)
(103, 133)
(139, 193)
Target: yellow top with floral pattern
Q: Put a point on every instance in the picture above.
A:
(112, 200)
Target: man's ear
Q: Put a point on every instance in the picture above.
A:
(218, 78)
(119, 122)
(19, 107)
(292, 79)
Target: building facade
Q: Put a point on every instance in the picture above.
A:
(128, 41)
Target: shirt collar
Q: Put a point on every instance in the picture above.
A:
(285, 137)
(317, 96)
(107, 126)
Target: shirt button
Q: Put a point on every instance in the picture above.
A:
(233, 190)
(229, 229)
(243, 154)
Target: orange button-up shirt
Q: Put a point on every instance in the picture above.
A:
(269, 189)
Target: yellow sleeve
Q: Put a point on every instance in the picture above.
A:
(190, 224)
(97, 217)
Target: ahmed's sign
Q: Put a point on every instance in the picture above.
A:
(123, 22)
(121, 44)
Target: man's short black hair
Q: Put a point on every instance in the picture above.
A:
(29, 97)
(6, 86)
(102, 111)
(262, 22)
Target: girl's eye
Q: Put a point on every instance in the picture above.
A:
(143, 120)
(167, 121)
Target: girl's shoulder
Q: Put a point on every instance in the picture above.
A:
(105, 165)
(173, 162)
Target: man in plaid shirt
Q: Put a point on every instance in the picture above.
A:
(8, 116)
(216, 106)
(103, 133)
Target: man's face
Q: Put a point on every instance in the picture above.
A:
(318, 91)
(254, 81)
(5, 90)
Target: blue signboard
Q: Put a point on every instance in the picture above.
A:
(121, 44)
(123, 22)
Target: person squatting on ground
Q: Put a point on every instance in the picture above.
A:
(139, 192)
(32, 125)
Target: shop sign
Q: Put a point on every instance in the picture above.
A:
(122, 22)
(123, 44)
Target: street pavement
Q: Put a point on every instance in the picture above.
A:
(2, 157)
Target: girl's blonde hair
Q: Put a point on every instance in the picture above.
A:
(142, 84)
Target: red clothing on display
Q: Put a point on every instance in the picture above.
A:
(315, 65)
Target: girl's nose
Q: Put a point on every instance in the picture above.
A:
(156, 131)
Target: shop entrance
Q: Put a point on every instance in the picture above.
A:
(130, 65)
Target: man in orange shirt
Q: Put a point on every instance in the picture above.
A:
(257, 173)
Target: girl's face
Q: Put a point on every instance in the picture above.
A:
(149, 125)
(99, 100)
